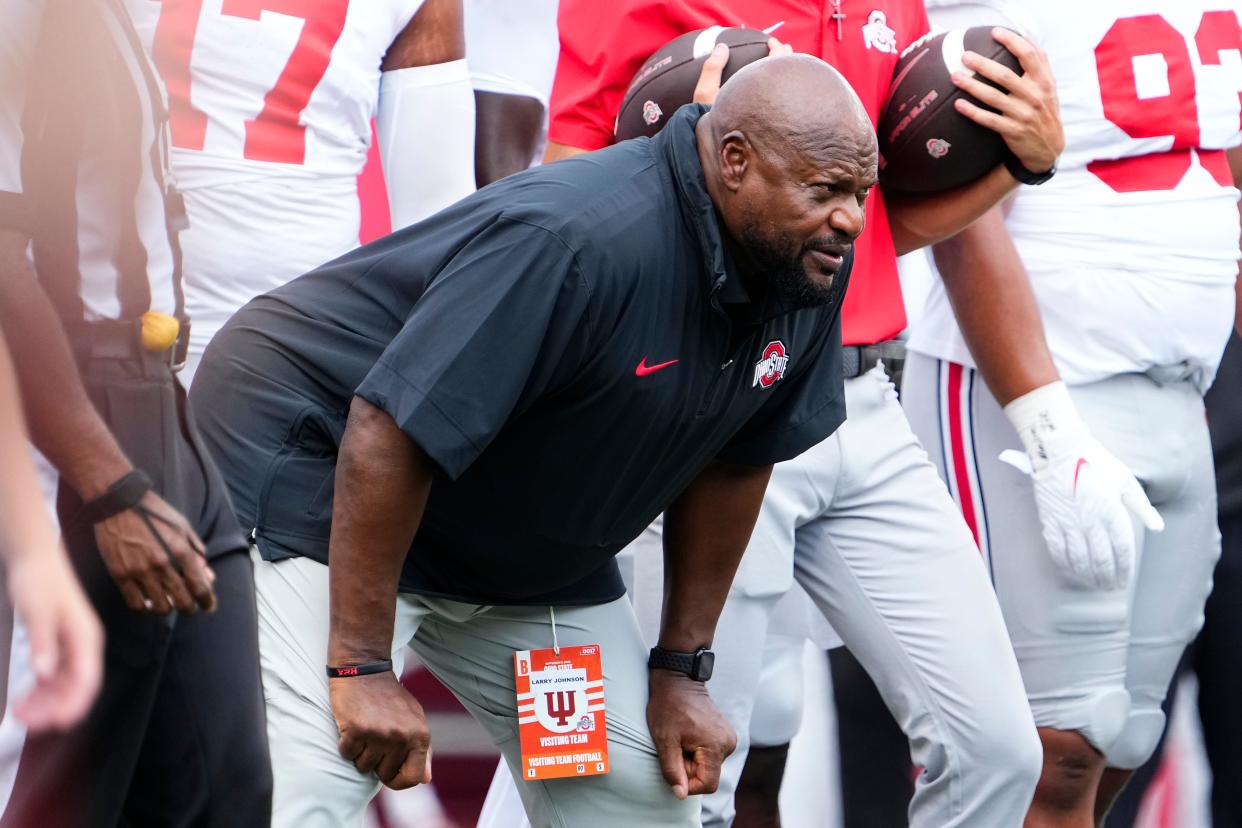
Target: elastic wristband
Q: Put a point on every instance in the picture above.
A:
(125, 493)
(370, 668)
(1045, 419)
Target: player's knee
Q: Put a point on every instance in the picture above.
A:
(999, 750)
(1071, 772)
(777, 713)
(1025, 758)
(1099, 717)
(1137, 740)
(1010, 754)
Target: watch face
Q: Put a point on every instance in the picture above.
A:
(706, 662)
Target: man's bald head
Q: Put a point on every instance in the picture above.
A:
(793, 103)
(788, 156)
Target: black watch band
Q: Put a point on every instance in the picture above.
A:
(697, 665)
(1025, 176)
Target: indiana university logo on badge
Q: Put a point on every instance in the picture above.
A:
(560, 706)
(771, 366)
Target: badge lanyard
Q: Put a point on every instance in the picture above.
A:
(560, 708)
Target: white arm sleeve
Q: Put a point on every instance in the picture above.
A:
(425, 127)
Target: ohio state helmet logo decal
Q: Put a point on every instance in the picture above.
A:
(652, 112)
(877, 34)
(771, 366)
(938, 147)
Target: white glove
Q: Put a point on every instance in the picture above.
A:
(1082, 491)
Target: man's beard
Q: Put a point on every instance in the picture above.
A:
(786, 275)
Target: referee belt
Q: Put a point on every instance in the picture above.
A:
(857, 360)
(121, 339)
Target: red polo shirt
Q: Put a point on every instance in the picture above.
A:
(603, 44)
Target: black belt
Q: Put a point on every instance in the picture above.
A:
(122, 339)
(857, 360)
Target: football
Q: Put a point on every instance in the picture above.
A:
(667, 79)
(926, 145)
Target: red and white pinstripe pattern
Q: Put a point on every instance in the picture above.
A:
(955, 393)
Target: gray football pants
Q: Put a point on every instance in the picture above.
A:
(869, 531)
(1093, 661)
(470, 649)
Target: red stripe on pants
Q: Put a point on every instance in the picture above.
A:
(957, 446)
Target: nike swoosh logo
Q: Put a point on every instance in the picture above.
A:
(1077, 468)
(644, 369)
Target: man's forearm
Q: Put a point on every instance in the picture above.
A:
(917, 221)
(63, 422)
(382, 482)
(25, 529)
(555, 152)
(995, 308)
(706, 530)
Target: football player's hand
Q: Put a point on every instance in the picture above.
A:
(1028, 117)
(156, 558)
(66, 640)
(709, 79)
(383, 729)
(692, 739)
(1085, 495)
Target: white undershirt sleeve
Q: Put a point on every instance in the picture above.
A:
(18, 35)
(425, 127)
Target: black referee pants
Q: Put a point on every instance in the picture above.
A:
(177, 736)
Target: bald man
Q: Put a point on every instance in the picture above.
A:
(505, 395)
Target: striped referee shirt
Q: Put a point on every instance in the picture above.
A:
(83, 159)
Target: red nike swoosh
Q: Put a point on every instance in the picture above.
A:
(1081, 462)
(644, 369)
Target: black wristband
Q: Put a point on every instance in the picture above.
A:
(1024, 176)
(370, 668)
(125, 493)
(697, 665)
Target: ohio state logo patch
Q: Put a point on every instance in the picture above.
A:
(938, 147)
(771, 366)
(878, 35)
(652, 112)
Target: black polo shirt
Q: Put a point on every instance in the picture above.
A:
(570, 345)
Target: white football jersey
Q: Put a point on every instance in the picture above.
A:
(270, 108)
(260, 87)
(1132, 248)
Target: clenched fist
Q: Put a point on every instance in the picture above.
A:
(692, 739)
(383, 729)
